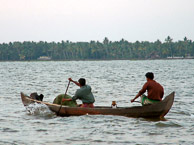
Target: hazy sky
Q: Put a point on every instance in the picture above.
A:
(85, 20)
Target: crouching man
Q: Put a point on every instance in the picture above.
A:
(84, 93)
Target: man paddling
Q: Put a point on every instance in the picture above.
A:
(84, 93)
(154, 90)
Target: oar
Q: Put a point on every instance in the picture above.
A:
(64, 96)
(137, 101)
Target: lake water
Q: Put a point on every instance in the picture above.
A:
(110, 80)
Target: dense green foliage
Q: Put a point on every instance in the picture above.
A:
(96, 50)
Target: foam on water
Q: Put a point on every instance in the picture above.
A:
(38, 109)
(192, 116)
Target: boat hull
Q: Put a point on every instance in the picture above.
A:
(157, 110)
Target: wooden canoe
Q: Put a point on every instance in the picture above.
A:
(157, 110)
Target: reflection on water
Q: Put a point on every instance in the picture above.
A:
(111, 81)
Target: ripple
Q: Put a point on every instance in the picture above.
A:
(9, 130)
(182, 113)
(168, 124)
(10, 143)
(41, 130)
(154, 133)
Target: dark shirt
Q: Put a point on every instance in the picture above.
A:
(84, 94)
(155, 90)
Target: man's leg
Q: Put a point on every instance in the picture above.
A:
(145, 100)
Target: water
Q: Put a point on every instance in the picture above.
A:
(110, 80)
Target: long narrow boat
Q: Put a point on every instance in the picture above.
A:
(157, 110)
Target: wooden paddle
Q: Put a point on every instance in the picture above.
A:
(64, 96)
(137, 101)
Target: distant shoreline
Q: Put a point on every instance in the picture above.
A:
(95, 50)
(96, 60)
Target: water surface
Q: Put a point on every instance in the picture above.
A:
(110, 80)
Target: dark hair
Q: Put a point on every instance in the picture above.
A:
(82, 81)
(149, 75)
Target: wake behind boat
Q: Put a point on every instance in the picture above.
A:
(157, 110)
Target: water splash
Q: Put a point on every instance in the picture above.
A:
(38, 109)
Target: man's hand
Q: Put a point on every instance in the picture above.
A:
(132, 100)
(77, 83)
(70, 79)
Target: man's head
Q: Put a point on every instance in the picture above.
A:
(82, 81)
(149, 75)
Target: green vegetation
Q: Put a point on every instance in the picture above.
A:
(93, 50)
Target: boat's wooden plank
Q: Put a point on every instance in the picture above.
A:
(159, 109)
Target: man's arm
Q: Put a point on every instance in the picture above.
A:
(63, 100)
(75, 82)
(132, 100)
(143, 90)
(75, 97)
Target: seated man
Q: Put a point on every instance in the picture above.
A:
(84, 93)
(155, 91)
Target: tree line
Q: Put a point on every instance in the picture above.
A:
(95, 50)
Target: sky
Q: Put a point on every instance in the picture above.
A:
(86, 20)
